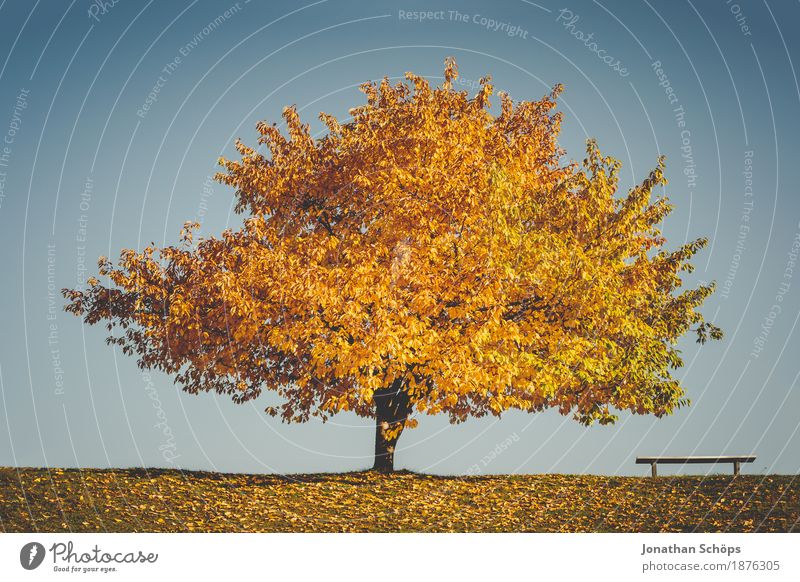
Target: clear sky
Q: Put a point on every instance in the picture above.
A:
(112, 116)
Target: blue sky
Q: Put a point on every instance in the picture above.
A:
(113, 116)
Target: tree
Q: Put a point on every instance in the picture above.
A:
(425, 257)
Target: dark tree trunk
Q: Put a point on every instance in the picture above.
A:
(392, 408)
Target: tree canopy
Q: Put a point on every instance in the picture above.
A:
(426, 256)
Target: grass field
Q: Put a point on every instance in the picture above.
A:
(64, 500)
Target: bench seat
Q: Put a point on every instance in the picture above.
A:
(737, 460)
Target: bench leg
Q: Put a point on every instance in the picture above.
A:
(736, 467)
(653, 471)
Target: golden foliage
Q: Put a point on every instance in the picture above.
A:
(173, 501)
(428, 242)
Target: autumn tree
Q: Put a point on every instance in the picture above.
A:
(427, 256)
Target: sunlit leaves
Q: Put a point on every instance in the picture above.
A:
(179, 501)
(427, 241)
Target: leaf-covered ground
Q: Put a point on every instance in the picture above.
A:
(166, 500)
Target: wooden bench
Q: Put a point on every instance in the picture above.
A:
(737, 460)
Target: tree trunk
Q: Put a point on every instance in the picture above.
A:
(392, 408)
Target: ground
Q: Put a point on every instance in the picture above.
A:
(147, 500)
